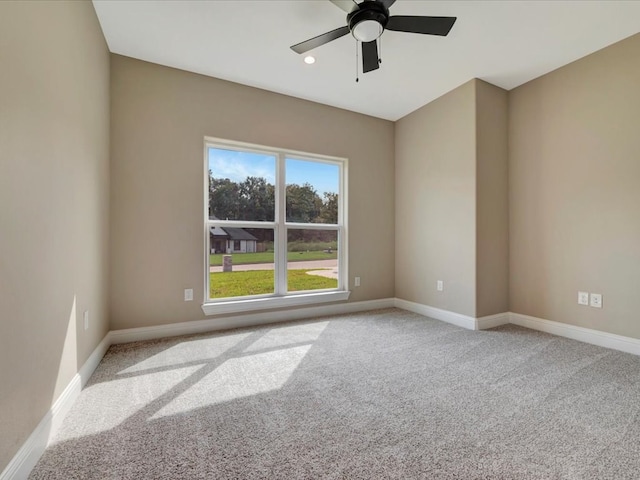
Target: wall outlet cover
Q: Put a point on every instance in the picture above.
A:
(596, 300)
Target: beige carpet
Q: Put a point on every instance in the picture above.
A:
(386, 394)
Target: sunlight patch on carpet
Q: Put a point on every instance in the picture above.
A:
(118, 400)
(238, 378)
(289, 335)
(188, 351)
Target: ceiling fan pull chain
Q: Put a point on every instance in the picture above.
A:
(357, 71)
(380, 49)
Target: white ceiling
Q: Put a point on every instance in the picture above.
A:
(506, 43)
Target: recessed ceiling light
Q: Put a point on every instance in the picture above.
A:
(309, 59)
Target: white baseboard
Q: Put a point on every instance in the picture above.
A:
(587, 335)
(248, 320)
(458, 319)
(23, 462)
(94, 359)
(492, 321)
(62, 406)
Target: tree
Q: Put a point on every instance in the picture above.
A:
(303, 203)
(329, 211)
(223, 198)
(253, 199)
(257, 198)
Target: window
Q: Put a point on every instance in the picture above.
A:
(275, 228)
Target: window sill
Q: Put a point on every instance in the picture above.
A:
(237, 306)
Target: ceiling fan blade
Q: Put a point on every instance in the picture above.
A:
(425, 25)
(370, 56)
(346, 5)
(387, 3)
(314, 42)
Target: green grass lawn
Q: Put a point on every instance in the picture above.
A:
(260, 282)
(267, 257)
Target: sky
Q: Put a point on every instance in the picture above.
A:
(237, 166)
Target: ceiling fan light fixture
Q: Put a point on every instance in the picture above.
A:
(367, 31)
(367, 21)
(309, 59)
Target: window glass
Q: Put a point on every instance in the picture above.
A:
(241, 262)
(312, 191)
(312, 259)
(241, 185)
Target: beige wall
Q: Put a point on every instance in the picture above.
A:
(574, 175)
(572, 220)
(435, 202)
(54, 148)
(492, 198)
(159, 119)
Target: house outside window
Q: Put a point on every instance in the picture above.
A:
(276, 227)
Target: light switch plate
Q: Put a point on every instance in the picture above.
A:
(188, 294)
(583, 298)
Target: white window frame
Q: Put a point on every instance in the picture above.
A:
(280, 298)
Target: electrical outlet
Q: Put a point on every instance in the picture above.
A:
(188, 294)
(440, 285)
(356, 282)
(583, 298)
(596, 300)
(85, 318)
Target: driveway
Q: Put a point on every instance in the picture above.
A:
(323, 268)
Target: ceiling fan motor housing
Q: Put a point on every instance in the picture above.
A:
(368, 11)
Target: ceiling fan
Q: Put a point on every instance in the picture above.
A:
(368, 20)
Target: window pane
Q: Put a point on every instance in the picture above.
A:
(312, 191)
(241, 185)
(312, 259)
(240, 262)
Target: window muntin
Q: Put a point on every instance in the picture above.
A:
(297, 199)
